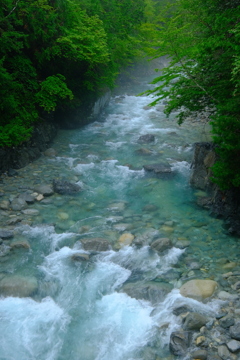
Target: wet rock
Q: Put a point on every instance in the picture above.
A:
(152, 291)
(198, 289)
(95, 244)
(161, 244)
(6, 234)
(5, 205)
(146, 138)
(200, 354)
(20, 244)
(200, 340)
(235, 331)
(147, 237)
(226, 321)
(45, 190)
(4, 250)
(158, 168)
(150, 208)
(18, 285)
(64, 187)
(194, 321)
(80, 257)
(181, 310)
(12, 172)
(117, 206)
(62, 215)
(233, 345)
(224, 295)
(179, 342)
(224, 353)
(18, 204)
(50, 152)
(182, 244)
(126, 239)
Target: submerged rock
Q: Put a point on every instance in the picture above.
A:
(45, 190)
(64, 187)
(146, 138)
(158, 168)
(161, 245)
(95, 244)
(198, 289)
(126, 239)
(6, 234)
(18, 285)
(80, 257)
(194, 321)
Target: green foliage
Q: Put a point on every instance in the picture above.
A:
(201, 39)
(54, 51)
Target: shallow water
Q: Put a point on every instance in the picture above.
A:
(80, 310)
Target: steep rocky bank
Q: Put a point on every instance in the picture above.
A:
(224, 204)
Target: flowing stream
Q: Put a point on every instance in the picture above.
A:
(82, 310)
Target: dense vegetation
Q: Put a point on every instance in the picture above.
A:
(202, 40)
(53, 52)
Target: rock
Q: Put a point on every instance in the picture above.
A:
(95, 244)
(6, 234)
(5, 205)
(226, 321)
(126, 239)
(18, 204)
(50, 152)
(235, 331)
(223, 352)
(63, 216)
(146, 138)
(12, 172)
(64, 187)
(45, 190)
(18, 285)
(4, 250)
(167, 229)
(179, 342)
(39, 197)
(224, 295)
(198, 289)
(200, 354)
(24, 244)
(30, 212)
(194, 321)
(150, 208)
(233, 345)
(27, 197)
(117, 206)
(154, 292)
(182, 244)
(161, 244)
(158, 168)
(181, 310)
(200, 340)
(80, 257)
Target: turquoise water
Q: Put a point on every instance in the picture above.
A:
(80, 310)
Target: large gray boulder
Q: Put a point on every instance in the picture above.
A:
(194, 321)
(146, 138)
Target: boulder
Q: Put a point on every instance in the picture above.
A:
(50, 152)
(20, 244)
(154, 292)
(27, 197)
(194, 321)
(161, 244)
(179, 342)
(200, 354)
(30, 212)
(18, 285)
(45, 190)
(80, 257)
(198, 289)
(5, 205)
(95, 244)
(233, 346)
(146, 138)
(64, 187)
(235, 331)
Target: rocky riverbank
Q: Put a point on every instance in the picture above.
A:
(223, 204)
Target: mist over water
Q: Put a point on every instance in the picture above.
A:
(81, 310)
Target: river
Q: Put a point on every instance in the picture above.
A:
(82, 310)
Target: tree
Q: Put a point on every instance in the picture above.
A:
(201, 39)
